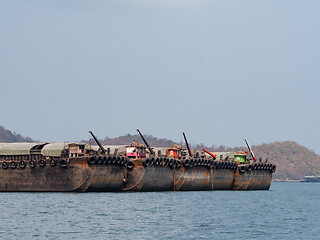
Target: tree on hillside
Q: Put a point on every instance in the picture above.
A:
(8, 136)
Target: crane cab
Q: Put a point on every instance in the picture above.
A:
(174, 151)
(136, 150)
(241, 157)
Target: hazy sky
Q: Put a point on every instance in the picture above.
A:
(220, 70)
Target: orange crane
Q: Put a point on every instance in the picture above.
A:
(213, 155)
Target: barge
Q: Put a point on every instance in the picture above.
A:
(65, 167)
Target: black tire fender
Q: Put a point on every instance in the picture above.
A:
(118, 161)
(170, 162)
(229, 165)
(13, 165)
(185, 163)
(53, 162)
(42, 163)
(125, 161)
(98, 160)
(5, 165)
(235, 166)
(178, 164)
(109, 160)
(91, 160)
(22, 164)
(130, 166)
(121, 161)
(258, 166)
(242, 168)
(63, 163)
(216, 164)
(191, 162)
(221, 165)
(103, 160)
(147, 162)
(32, 164)
(254, 166)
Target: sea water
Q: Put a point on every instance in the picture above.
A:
(286, 211)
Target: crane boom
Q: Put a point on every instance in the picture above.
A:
(251, 152)
(145, 142)
(213, 155)
(99, 144)
(189, 150)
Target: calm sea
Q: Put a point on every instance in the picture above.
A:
(286, 211)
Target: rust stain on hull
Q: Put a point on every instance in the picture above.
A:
(151, 178)
(253, 180)
(106, 178)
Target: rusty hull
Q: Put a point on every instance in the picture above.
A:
(161, 178)
(106, 178)
(81, 176)
(200, 178)
(252, 180)
(151, 178)
(74, 177)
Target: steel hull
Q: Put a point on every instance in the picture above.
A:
(106, 178)
(202, 178)
(152, 178)
(160, 178)
(81, 176)
(252, 180)
(74, 177)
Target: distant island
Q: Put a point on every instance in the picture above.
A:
(293, 160)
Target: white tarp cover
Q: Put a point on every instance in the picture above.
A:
(55, 149)
(17, 148)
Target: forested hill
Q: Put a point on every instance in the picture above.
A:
(8, 136)
(293, 160)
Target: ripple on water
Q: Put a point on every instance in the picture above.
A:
(286, 211)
